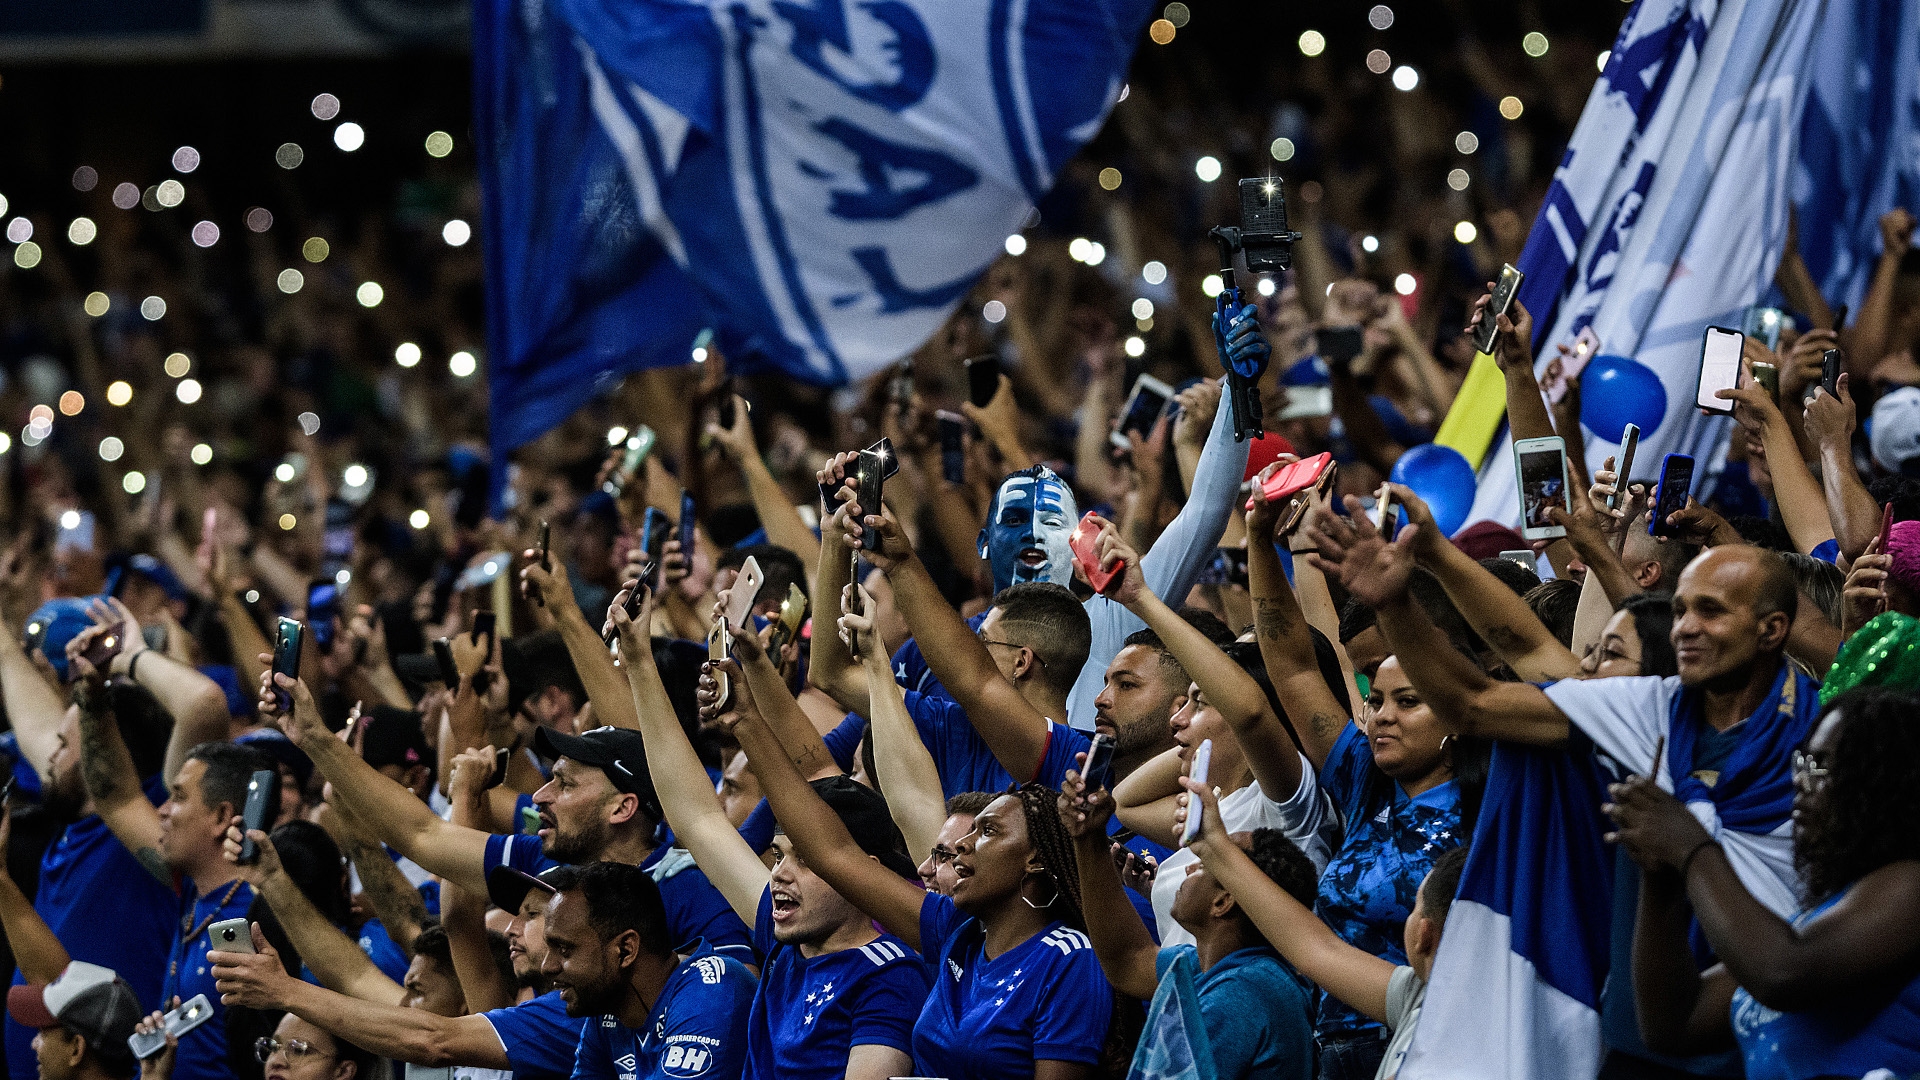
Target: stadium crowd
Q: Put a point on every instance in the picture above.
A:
(682, 762)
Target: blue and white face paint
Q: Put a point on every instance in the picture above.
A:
(1025, 538)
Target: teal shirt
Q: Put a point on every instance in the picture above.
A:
(1258, 1012)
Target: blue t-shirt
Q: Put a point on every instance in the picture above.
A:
(1847, 1038)
(107, 910)
(1371, 883)
(698, 1028)
(1045, 999)
(910, 668)
(539, 1037)
(963, 759)
(1258, 1012)
(203, 1051)
(695, 909)
(809, 1014)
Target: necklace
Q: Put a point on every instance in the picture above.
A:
(187, 940)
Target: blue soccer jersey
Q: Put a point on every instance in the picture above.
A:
(809, 1013)
(695, 909)
(538, 1036)
(1045, 999)
(697, 1030)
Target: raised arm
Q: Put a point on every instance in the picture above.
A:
(1121, 941)
(395, 815)
(1376, 574)
(334, 958)
(782, 713)
(196, 703)
(36, 950)
(1286, 647)
(1802, 505)
(395, 902)
(1186, 546)
(830, 667)
(33, 706)
(1873, 329)
(693, 811)
(107, 769)
(777, 514)
(817, 833)
(1225, 684)
(906, 770)
(464, 913)
(1851, 511)
(257, 980)
(1355, 976)
(1012, 728)
(606, 688)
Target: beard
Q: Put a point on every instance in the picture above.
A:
(63, 801)
(580, 846)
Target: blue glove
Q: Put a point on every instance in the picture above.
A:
(1242, 347)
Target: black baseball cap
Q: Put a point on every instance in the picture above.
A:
(619, 752)
(864, 812)
(393, 737)
(507, 888)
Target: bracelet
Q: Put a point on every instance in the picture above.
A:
(1297, 552)
(133, 665)
(1687, 863)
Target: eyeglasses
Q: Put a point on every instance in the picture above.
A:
(943, 855)
(297, 1049)
(1808, 773)
(988, 641)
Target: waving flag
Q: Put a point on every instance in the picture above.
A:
(1668, 214)
(1515, 990)
(820, 181)
(1174, 1044)
(1858, 158)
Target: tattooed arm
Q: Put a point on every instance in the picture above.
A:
(107, 768)
(1286, 645)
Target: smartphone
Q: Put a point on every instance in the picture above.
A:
(983, 380)
(103, 649)
(1338, 345)
(1525, 557)
(1830, 372)
(654, 528)
(500, 759)
(631, 607)
(483, 627)
(746, 589)
(1504, 290)
(793, 614)
(1571, 365)
(717, 650)
(443, 658)
(1296, 478)
(1386, 512)
(1670, 497)
(1720, 351)
(545, 545)
(900, 386)
(1085, 543)
(953, 446)
(1768, 376)
(230, 935)
(255, 815)
(1540, 466)
(869, 473)
(1764, 324)
(1144, 406)
(689, 522)
(1886, 536)
(1099, 769)
(286, 657)
(724, 409)
(639, 445)
(1629, 442)
(1202, 761)
(176, 1022)
(323, 607)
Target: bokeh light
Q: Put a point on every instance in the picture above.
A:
(1312, 43)
(19, 230)
(27, 255)
(1600, 61)
(1378, 61)
(96, 304)
(1380, 17)
(1154, 272)
(1466, 142)
(119, 392)
(1282, 149)
(1457, 179)
(259, 219)
(1265, 287)
(1369, 243)
(125, 196)
(1161, 32)
(285, 472)
(325, 107)
(188, 391)
(85, 178)
(1405, 284)
(290, 281)
(177, 365)
(81, 231)
(462, 364)
(1109, 178)
(170, 193)
(1177, 13)
(1207, 168)
(315, 249)
(349, 136)
(419, 519)
(201, 453)
(287, 522)
(186, 159)
(1465, 233)
(134, 483)
(1534, 44)
(72, 402)
(205, 234)
(456, 233)
(1016, 244)
(111, 448)
(993, 311)
(1142, 308)
(1136, 347)
(309, 422)
(289, 155)
(1511, 108)
(439, 144)
(153, 309)
(1211, 285)
(1405, 78)
(406, 354)
(369, 294)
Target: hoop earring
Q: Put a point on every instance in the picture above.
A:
(1446, 741)
(1041, 907)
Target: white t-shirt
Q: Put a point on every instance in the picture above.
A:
(1405, 994)
(1307, 818)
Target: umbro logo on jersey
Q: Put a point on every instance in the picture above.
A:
(626, 1061)
(882, 952)
(1067, 941)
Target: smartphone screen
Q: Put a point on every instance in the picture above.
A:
(1202, 764)
(953, 446)
(1144, 406)
(323, 607)
(1764, 324)
(869, 480)
(1542, 465)
(1099, 771)
(1719, 368)
(653, 541)
(689, 521)
(1676, 482)
(1503, 292)
(286, 656)
(983, 380)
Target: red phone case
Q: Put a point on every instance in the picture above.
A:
(1083, 542)
(1295, 478)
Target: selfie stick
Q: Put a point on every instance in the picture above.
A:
(1243, 391)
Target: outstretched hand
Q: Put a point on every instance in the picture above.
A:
(1372, 571)
(1083, 811)
(257, 979)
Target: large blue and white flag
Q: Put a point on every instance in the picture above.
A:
(1515, 990)
(1668, 212)
(1858, 152)
(820, 181)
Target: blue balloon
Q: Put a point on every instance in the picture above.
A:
(1616, 391)
(1443, 480)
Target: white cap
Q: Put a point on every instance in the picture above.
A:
(1896, 428)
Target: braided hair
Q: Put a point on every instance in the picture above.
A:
(1050, 841)
(1866, 819)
